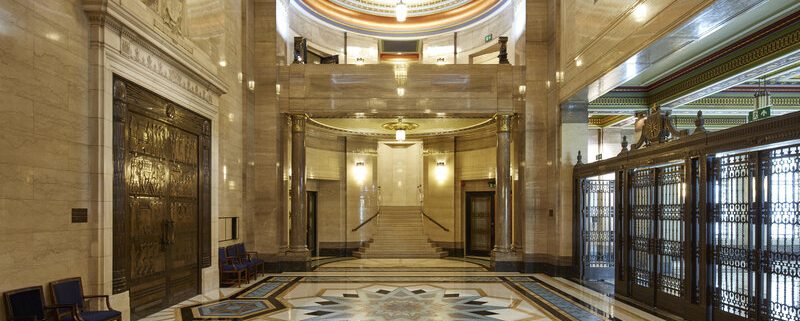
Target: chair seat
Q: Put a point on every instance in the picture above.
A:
(256, 261)
(96, 316)
(234, 267)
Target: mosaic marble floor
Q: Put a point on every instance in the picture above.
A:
(405, 295)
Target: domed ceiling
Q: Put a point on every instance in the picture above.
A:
(377, 17)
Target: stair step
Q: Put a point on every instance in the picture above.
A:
(400, 234)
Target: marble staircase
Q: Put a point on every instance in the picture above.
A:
(400, 234)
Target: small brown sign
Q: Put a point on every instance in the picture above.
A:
(80, 215)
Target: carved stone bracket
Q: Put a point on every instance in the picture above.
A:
(658, 129)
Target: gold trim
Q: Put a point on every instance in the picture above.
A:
(366, 21)
(299, 123)
(503, 122)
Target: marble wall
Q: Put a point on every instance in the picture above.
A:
(47, 145)
(55, 138)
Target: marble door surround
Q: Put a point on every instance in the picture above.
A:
(123, 44)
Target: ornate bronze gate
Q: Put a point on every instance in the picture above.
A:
(756, 235)
(657, 233)
(161, 199)
(597, 229)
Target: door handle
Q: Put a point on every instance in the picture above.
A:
(171, 235)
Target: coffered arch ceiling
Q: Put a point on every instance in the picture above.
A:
(376, 17)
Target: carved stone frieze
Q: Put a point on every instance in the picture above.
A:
(146, 58)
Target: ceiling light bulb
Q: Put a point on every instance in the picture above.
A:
(400, 135)
(401, 11)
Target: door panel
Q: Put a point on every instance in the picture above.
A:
(480, 223)
(733, 238)
(311, 206)
(641, 234)
(597, 229)
(162, 149)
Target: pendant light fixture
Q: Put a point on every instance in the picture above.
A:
(400, 127)
(401, 11)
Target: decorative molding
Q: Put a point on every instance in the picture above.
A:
(169, 54)
(133, 50)
(713, 101)
(299, 123)
(657, 129)
(503, 122)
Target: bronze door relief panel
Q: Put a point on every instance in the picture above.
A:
(161, 199)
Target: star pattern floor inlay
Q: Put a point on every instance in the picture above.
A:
(405, 296)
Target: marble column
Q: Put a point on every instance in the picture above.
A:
(502, 243)
(297, 234)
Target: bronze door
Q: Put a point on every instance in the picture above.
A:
(480, 223)
(161, 199)
(657, 234)
(597, 229)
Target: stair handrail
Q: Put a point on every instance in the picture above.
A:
(434, 221)
(367, 221)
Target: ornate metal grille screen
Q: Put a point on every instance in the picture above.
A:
(670, 239)
(642, 215)
(780, 241)
(732, 219)
(597, 215)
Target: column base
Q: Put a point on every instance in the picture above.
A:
(296, 261)
(506, 261)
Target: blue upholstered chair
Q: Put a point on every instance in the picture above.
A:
(249, 258)
(27, 304)
(70, 292)
(231, 271)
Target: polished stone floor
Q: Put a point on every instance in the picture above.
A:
(361, 290)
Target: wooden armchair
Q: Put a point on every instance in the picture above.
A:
(70, 292)
(250, 259)
(27, 304)
(231, 271)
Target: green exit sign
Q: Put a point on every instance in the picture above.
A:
(759, 114)
(487, 38)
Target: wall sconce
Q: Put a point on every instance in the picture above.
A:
(251, 84)
(360, 172)
(523, 89)
(277, 89)
(239, 76)
(440, 172)
(401, 91)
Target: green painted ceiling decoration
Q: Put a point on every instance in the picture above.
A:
(721, 83)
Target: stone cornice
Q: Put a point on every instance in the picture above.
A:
(157, 52)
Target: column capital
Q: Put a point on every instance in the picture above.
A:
(298, 122)
(503, 122)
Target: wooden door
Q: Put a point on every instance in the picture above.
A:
(161, 199)
(480, 223)
(311, 206)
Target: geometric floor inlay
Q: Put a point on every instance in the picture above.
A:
(231, 308)
(417, 302)
(406, 296)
